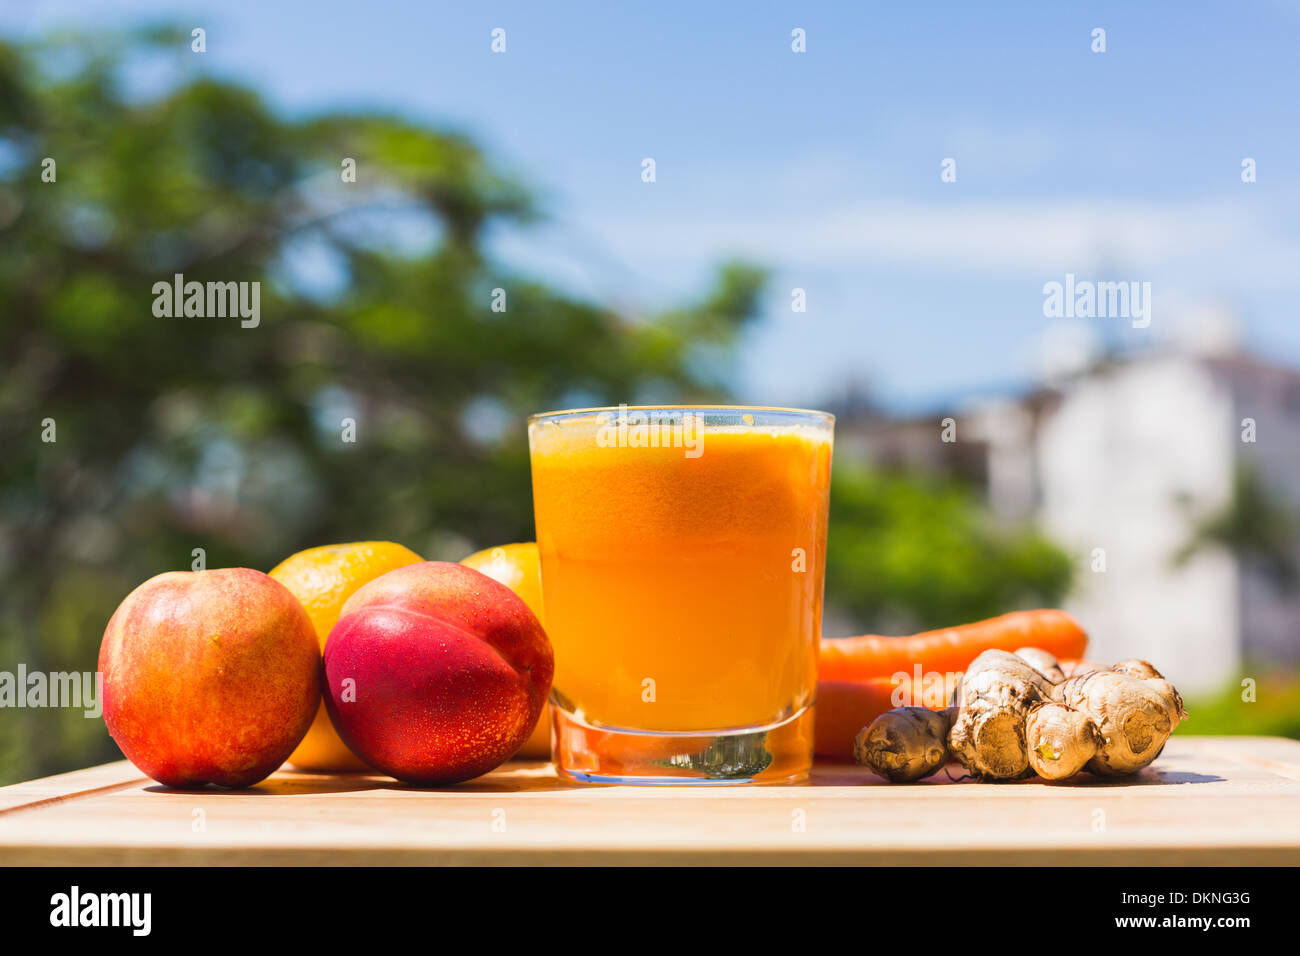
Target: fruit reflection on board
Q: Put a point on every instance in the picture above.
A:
(363, 657)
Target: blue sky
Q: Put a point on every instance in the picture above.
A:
(825, 166)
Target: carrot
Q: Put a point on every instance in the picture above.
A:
(845, 707)
(951, 649)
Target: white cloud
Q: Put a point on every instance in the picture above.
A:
(1006, 238)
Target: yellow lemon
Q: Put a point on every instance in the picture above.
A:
(519, 567)
(322, 579)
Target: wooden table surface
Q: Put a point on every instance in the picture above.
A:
(1207, 800)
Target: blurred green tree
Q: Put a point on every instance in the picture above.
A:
(910, 552)
(1270, 707)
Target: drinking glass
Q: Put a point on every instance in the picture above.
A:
(683, 553)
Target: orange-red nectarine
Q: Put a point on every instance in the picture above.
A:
(209, 676)
(436, 673)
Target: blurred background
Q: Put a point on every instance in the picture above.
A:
(866, 227)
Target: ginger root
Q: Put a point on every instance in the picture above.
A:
(906, 743)
(1081, 666)
(1061, 740)
(1043, 662)
(994, 697)
(1134, 714)
(1134, 667)
(1016, 715)
(1147, 671)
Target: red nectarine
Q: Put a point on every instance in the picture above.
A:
(436, 673)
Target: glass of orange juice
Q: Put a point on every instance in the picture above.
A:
(683, 552)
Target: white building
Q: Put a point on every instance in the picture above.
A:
(1120, 462)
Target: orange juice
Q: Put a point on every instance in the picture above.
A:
(682, 565)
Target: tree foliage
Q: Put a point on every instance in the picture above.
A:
(912, 553)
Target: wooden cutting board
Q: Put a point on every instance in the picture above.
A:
(1207, 801)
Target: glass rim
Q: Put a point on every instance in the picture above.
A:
(825, 417)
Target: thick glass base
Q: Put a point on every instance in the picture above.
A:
(777, 753)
